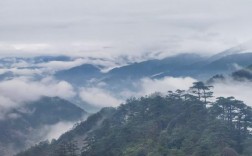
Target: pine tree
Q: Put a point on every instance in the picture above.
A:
(202, 91)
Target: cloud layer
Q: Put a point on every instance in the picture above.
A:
(239, 90)
(19, 91)
(128, 27)
(101, 97)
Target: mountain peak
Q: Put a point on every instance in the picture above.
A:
(241, 48)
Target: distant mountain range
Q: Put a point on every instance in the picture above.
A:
(192, 65)
(25, 126)
(177, 66)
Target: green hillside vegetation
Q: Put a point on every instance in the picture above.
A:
(180, 123)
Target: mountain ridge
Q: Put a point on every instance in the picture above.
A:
(24, 126)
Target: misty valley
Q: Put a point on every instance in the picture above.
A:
(184, 104)
(125, 78)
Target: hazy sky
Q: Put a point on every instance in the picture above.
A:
(119, 27)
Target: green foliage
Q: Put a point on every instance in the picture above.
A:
(201, 91)
(175, 125)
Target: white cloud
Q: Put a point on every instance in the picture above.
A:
(15, 92)
(133, 27)
(20, 64)
(5, 105)
(61, 65)
(55, 131)
(147, 86)
(29, 47)
(239, 90)
(99, 97)
(22, 71)
(53, 66)
(29, 68)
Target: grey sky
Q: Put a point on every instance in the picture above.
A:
(110, 28)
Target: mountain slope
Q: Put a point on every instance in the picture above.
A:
(80, 74)
(174, 66)
(151, 67)
(228, 63)
(150, 126)
(24, 126)
(243, 74)
(181, 65)
(241, 48)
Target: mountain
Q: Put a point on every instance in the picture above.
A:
(241, 48)
(29, 124)
(216, 78)
(87, 73)
(181, 65)
(229, 63)
(152, 68)
(156, 125)
(243, 74)
(80, 74)
(177, 66)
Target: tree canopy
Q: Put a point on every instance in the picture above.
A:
(177, 124)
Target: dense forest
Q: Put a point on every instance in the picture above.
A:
(180, 123)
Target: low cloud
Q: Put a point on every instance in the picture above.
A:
(22, 67)
(61, 65)
(147, 86)
(90, 27)
(239, 90)
(18, 91)
(22, 71)
(99, 97)
(53, 66)
(55, 131)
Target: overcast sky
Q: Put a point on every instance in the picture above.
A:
(106, 28)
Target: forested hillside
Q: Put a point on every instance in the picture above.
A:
(181, 123)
